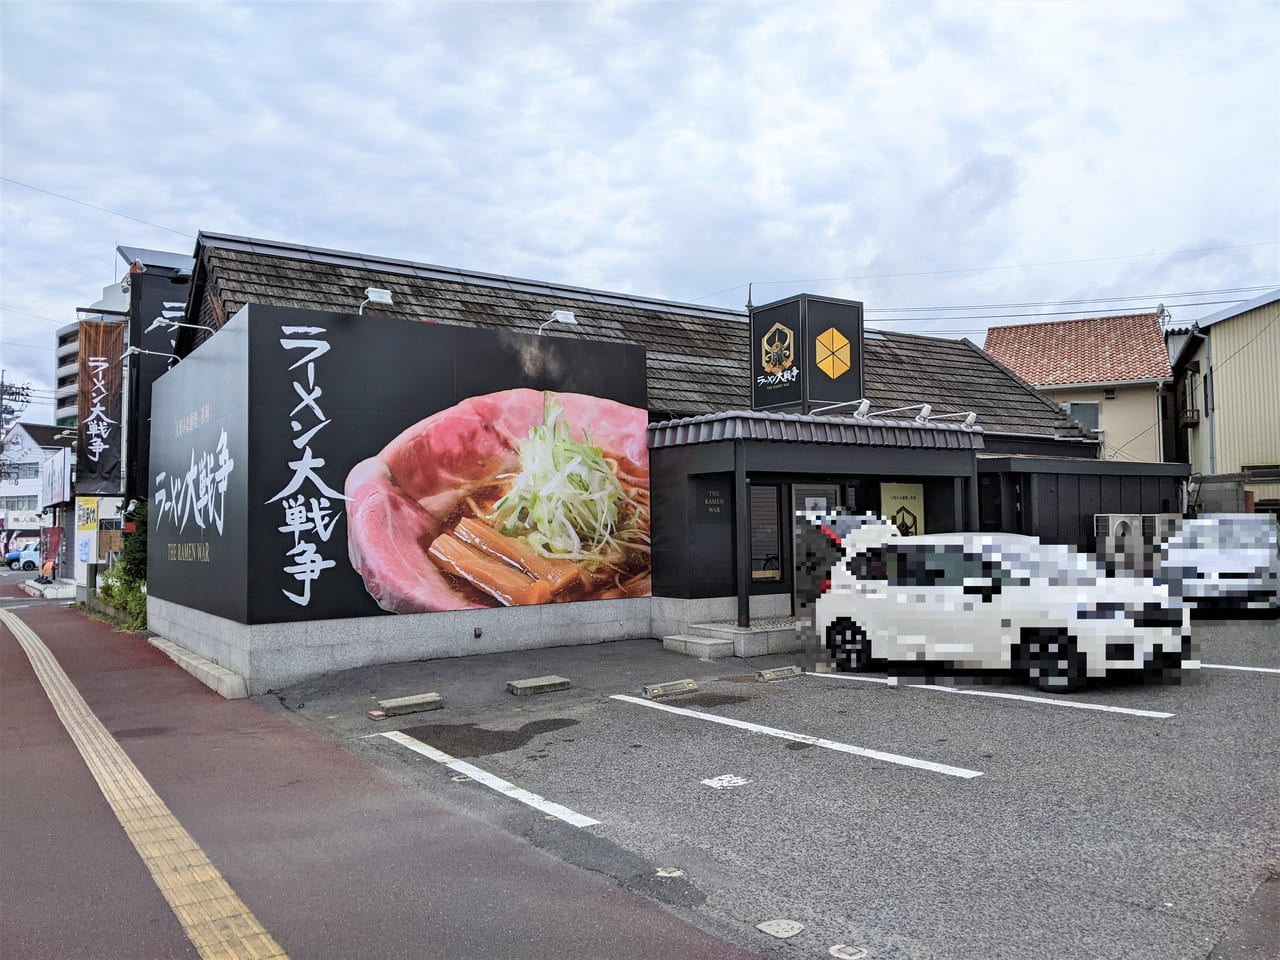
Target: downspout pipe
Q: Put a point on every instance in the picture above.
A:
(1209, 401)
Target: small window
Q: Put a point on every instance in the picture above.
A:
(1109, 393)
(1084, 413)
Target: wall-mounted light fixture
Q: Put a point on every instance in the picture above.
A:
(375, 295)
(921, 417)
(153, 353)
(861, 413)
(970, 418)
(174, 324)
(560, 316)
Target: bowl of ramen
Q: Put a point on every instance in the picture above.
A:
(507, 499)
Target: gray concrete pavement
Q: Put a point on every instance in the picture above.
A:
(1089, 833)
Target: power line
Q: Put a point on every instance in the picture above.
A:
(29, 346)
(1047, 313)
(35, 316)
(1063, 303)
(94, 206)
(1006, 266)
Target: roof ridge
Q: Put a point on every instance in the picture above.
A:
(456, 274)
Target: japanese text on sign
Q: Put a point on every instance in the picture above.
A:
(200, 493)
(97, 425)
(308, 502)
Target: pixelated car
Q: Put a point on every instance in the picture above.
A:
(28, 558)
(996, 602)
(1224, 560)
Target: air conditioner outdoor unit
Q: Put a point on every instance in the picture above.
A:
(1128, 541)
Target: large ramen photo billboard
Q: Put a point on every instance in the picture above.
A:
(410, 468)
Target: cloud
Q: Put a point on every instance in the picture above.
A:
(669, 149)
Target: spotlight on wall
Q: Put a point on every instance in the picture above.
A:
(560, 316)
(970, 418)
(153, 353)
(864, 405)
(921, 417)
(173, 324)
(375, 295)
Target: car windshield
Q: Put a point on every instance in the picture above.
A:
(1226, 535)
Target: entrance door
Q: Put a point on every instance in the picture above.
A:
(815, 554)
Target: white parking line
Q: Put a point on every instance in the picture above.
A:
(805, 738)
(1074, 704)
(489, 780)
(1223, 666)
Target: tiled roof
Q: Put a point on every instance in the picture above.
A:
(698, 357)
(1092, 350)
(800, 428)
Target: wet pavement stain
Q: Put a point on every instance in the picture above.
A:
(135, 733)
(472, 740)
(794, 745)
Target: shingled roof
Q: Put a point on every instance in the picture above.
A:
(1092, 350)
(698, 357)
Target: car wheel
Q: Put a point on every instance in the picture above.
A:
(13, 564)
(1052, 660)
(29, 565)
(850, 645)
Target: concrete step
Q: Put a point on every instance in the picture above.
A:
(705, 648)
(754, 641)
(58, 590)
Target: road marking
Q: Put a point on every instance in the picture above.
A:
(215, 919)
(1074, 704)
(805, 738)
(724, 781)
(1223, 666)
(489, 780)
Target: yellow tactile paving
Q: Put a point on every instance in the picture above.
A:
(217, 921)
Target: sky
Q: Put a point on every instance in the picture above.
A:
(909, 155)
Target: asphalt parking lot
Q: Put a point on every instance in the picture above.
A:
(965, 821)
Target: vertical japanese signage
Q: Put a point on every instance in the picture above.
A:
(806, 353)
(157, 303)
(310, 507)
(99, 405)
(86, 530)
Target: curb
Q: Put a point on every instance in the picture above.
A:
(226, 683)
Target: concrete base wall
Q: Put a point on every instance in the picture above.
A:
(270, 656)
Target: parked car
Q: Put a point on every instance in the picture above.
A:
(1225, 560)
(28, 558)
(995, 601)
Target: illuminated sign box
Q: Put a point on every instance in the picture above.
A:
(806, 353)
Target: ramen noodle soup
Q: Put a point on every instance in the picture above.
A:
(512, 498)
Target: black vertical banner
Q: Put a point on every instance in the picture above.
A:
(99, 405)
(157, 302)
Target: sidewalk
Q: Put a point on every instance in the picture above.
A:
(334, 858)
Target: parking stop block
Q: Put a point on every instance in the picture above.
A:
(415, 704)
(778, 673)
(655, 690)
(526, 688)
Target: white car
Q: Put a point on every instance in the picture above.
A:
(996, 601)
(1228, 559)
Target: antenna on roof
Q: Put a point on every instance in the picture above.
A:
(748, 298)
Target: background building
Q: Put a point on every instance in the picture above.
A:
(1111, 374)
(1227, 405)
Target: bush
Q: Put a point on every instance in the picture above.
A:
(129, 597)
(133, 555)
